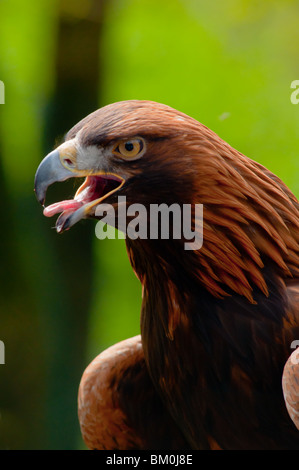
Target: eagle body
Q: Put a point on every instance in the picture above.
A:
(221, 376)
(217, 323)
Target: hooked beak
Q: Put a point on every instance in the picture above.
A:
(60, 165)
(49, 171)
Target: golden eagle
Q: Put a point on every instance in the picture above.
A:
(217, 323)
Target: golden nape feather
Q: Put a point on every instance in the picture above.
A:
(211, 369)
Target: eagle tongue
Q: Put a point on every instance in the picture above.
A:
(70, 205)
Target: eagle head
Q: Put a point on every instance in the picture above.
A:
(138, 149)
(152, 154)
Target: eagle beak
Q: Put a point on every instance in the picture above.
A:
(58, 165)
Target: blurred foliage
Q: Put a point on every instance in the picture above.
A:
(65, 298)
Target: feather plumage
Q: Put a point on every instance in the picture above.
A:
(216, 323)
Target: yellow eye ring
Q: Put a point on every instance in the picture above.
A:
(130, 149)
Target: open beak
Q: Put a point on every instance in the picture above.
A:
(60, 165)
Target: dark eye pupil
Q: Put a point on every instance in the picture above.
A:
(129, 146)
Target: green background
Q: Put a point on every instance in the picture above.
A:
(64, 298)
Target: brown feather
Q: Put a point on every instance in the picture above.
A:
(216, 323)
(118, 407)
(290, 386)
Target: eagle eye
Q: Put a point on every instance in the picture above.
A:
(129, 149)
